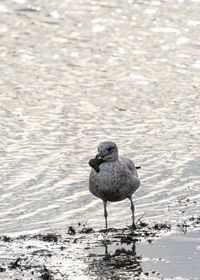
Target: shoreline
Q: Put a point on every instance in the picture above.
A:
(85, 251)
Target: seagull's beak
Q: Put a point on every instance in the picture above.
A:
(101, 156)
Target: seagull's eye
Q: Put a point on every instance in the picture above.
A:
(110, 149)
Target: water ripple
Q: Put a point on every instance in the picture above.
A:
(75, 75)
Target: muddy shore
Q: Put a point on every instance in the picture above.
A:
(85, 253)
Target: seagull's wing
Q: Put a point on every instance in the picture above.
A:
(130, 165)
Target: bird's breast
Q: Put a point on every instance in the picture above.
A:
(113, 182)
(110, 179)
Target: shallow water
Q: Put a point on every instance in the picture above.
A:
(169, 254)
(161, 259)
(75, 74)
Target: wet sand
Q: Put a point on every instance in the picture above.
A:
(150, 252)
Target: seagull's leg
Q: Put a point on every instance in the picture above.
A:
(105, 213)
(133, 211)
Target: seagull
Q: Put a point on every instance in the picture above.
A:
(113, 177)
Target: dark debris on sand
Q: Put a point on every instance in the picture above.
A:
(71, 231)
(162, 226)
(44, 256)
(5, 238)
(46, 274)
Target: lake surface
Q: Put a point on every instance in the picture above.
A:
(75, 73)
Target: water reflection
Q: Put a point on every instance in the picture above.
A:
(123, 255)
(115, 259)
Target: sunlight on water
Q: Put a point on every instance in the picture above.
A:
(75, 74)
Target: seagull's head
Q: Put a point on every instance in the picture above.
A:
(107, 151)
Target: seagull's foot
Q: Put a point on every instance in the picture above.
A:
(104, 230)
(133, 227)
